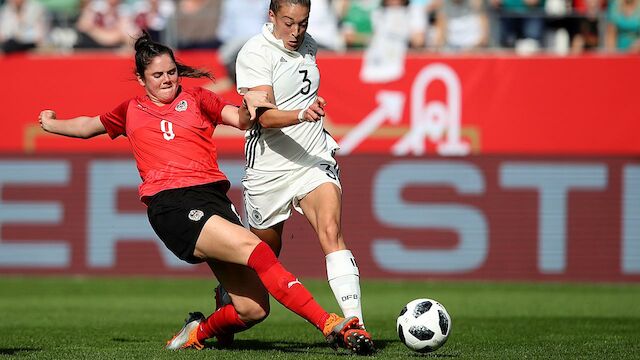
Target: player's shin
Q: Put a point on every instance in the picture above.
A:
(344, 279)
(285, 287)
(224, 320)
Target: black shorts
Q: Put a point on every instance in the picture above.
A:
(178, 215)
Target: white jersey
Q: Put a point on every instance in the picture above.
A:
(295, 80)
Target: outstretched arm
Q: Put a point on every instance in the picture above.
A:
(243, 117)
(274, 118)
(80, 127)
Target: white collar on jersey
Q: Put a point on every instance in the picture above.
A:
(267, 32)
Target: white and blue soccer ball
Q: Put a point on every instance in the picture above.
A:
(424, 325)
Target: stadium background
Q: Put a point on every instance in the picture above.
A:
(490, 167)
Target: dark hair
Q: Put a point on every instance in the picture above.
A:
(275, 4)
(404, 3)
(147, 49)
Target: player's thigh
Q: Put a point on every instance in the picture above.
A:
(223, 240)
(323, 205)
(247, 293)
(322, 208)
(319, 192)
(272, 236)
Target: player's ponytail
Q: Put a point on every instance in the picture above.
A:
(147, 49)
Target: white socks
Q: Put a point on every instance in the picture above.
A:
(344, 279)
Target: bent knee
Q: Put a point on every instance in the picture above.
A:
(330, 230)
(330, 237)
(253, 314)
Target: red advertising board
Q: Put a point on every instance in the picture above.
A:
(445, 105)
(490, 217)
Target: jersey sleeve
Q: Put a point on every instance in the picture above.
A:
(211, 105)
(115, 120)
(253, 67)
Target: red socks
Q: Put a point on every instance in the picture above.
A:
(224, 321)
(280, 283)
(284, 287)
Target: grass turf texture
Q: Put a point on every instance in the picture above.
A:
(124, 318)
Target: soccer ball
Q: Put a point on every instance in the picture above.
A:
(423, 325)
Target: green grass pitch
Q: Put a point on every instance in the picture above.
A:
(131, 318)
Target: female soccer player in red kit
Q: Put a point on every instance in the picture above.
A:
(170, 132)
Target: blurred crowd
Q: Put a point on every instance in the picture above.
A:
(523, 26)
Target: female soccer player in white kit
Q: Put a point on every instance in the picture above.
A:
(289, 155)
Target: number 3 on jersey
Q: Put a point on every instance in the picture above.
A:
(305, 79)
(167, 130)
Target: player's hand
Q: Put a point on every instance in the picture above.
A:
(255, 99)
(46, 118)
(314, 112)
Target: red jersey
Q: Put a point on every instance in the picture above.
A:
(172, 144)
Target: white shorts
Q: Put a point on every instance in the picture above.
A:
(270, 195)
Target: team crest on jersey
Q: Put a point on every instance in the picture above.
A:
(195, 215)
(256, 216)
(182, 105)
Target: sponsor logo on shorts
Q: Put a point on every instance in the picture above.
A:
(256, 216)
(196, 215)
(182, 105)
